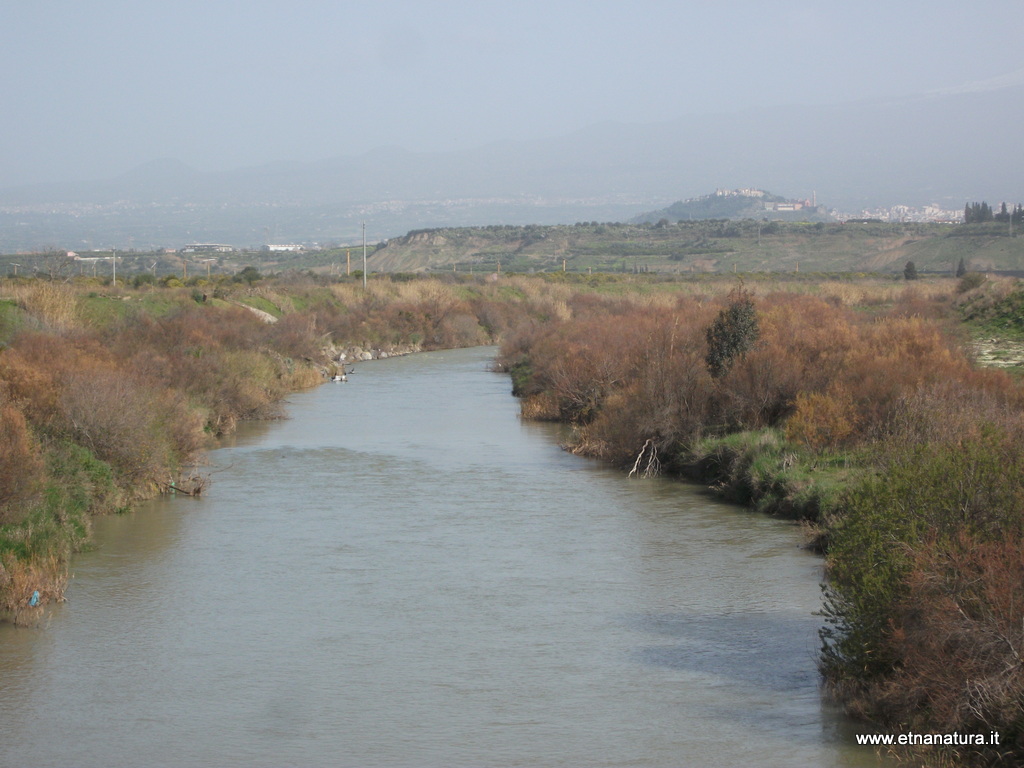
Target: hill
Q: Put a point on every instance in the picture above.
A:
(704, 246)
(738, 204)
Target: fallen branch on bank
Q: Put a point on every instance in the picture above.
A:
(653, 467)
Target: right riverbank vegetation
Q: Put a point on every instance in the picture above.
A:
(866, 417)
(856, 406)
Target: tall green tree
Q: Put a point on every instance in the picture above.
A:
(910, 271)
(732, 334)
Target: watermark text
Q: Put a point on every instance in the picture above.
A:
(911, 739)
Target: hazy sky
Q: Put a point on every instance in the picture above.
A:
(91, 88)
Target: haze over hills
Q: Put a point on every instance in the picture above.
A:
(942, 148)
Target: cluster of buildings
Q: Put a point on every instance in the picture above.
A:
(744, 192)
(221, 248)
(904, 213)
(895, 213)
(778, 205)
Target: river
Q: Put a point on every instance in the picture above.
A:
(402, 573)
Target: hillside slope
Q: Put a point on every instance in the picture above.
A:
(704, 246)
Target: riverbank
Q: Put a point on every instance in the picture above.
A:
(869, 422)
(111, 393)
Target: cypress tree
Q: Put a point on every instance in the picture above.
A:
(732, 334)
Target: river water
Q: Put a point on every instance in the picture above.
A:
(404, 574)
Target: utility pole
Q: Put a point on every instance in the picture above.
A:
(364, 255)
(113, 263)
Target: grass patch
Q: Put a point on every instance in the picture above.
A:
(259, 302)
(762, 469)
(101, 311)
(11, 318)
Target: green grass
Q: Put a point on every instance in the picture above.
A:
(11, 318)
(101, 311)
(160, 303)
(258, 302)
(78, 485)
(761, 469)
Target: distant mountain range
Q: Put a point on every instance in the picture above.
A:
(945, 148)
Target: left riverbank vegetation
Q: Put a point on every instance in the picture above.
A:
(861, 411)
(109, 393)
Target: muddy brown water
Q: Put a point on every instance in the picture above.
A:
(402, 573)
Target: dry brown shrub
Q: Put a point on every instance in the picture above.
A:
(496, 318)
(587, 359)
(32, 389)
(540, 407)
(816, 336)
(302, 377)
(953, 412)
(669, 396)
(54, 305)
(115, 418)
(960, 640)
(894, 358)
(151, 366)
(823, 420)
(296, 335)
(36, 366)
(251, 385)
(19, 579)
(619, 430)
(20, 464)
(194, 330)
(180, 423)
(460, 329)
(759, 391)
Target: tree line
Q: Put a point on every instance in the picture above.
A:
(980, 213)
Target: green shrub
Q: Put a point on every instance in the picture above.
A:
(938, 491)
(732, 333)
(868, 560)
(969, 281)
